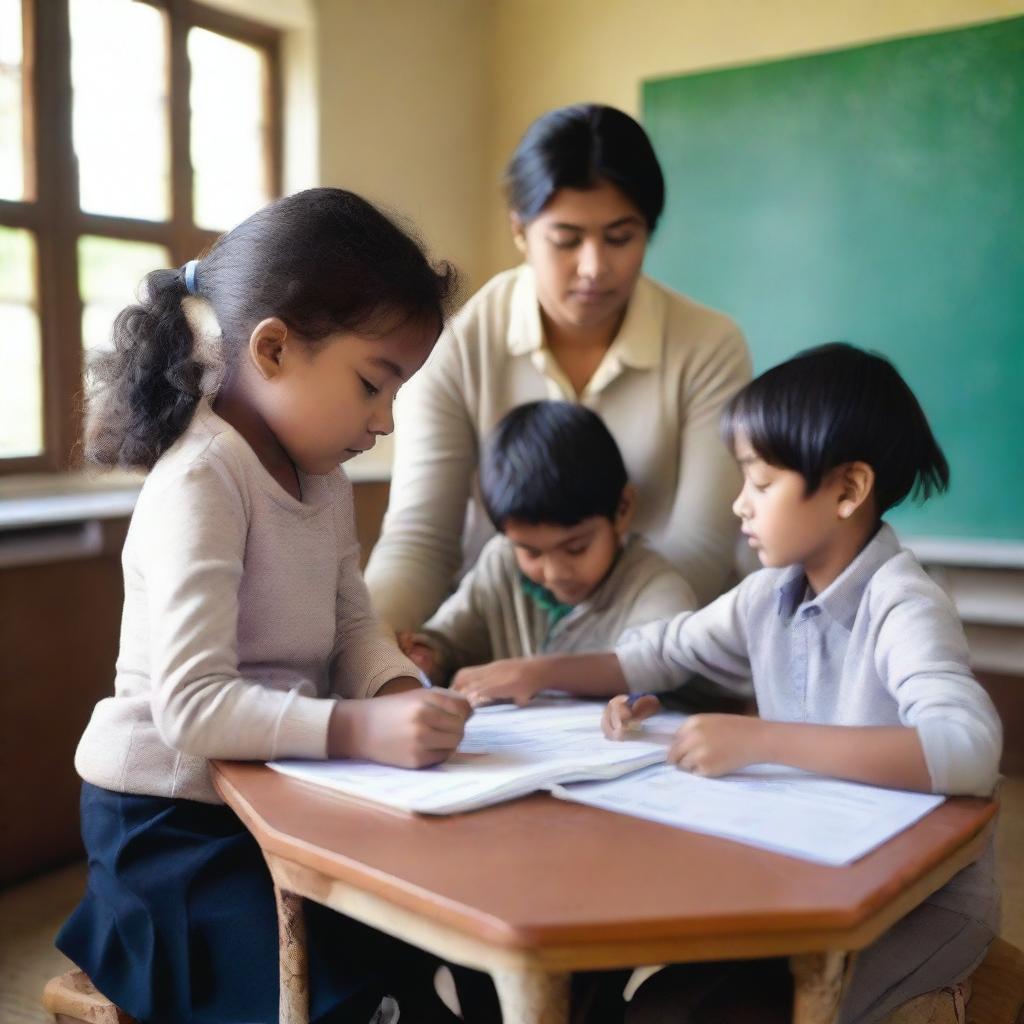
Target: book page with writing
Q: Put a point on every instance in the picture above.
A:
(507, 752)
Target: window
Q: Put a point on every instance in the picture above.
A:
(132, 132)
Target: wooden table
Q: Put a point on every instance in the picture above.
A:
(535, 889)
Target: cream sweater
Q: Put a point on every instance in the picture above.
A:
(490, 616)
(243, 610)
(660, 389)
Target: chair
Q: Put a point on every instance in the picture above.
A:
(73, 999)
(994, 994)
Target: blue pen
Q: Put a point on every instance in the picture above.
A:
(634, 697)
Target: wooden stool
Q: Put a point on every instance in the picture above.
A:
(943, 1006)
(73, 999)
(994, 994)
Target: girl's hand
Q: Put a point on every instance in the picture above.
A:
(413, 729)
(419, 652)
(716, 744)
(620, 718)
(516, 679)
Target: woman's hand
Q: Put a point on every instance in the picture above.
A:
(515, 679)
(717, 744)
(412, 729)
(420, 653)
(623, 714)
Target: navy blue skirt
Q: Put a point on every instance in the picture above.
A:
(178, 924)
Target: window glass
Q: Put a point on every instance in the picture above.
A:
(12, 132)
(120, 108)
(21, 390)
(229, 129)
(110, 274)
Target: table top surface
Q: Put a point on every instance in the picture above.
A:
(543, 872)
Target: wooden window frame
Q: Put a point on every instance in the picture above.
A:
(51, 208)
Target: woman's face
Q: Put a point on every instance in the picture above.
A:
(586, 248)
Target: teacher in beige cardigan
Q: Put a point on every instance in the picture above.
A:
(577, 321)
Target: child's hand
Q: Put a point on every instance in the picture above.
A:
(516, 679)
(411, 730)
(620, 717)
(716, 744)
(419, 652)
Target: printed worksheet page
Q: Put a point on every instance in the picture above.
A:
(783, 809)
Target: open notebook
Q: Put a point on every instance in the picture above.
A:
(506, 752)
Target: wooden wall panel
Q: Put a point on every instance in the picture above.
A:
(58, 636)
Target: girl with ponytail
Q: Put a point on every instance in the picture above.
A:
(241, 382)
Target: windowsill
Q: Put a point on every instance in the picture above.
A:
(45, 499)
(38, 499)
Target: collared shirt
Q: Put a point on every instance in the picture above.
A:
(637, 346)
(659, 388)
(491, 616)
(882, 645)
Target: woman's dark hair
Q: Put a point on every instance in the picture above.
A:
(837, 404)
(323, 260)
(579, 147)
(551, 462)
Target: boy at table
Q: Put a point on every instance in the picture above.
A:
(563, 576)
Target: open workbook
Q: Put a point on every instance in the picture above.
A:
(507, 752)
(558, 746)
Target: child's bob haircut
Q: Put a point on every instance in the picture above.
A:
(833, 405)
(551, 463)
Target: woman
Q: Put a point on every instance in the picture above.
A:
(577, 321)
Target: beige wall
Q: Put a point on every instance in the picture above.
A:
(551, 52)
(420, 102)
(404, 101)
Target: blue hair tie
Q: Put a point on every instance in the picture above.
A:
(190, 276)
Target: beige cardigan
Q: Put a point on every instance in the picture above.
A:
(659, 388)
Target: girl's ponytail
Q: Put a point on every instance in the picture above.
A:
(324, 261)
(145, 391)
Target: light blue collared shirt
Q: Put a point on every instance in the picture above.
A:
(882, 645)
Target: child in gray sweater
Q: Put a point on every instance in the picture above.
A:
(563, 575)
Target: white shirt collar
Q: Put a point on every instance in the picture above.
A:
(638, 343)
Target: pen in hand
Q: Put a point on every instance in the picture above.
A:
(635, 725)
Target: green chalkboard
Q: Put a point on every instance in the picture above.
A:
(872, 195)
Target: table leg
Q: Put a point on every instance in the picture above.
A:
(818, 983)
(293, 1006)
(532, 997)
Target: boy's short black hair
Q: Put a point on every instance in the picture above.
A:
(551, 462)
(837, 404)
